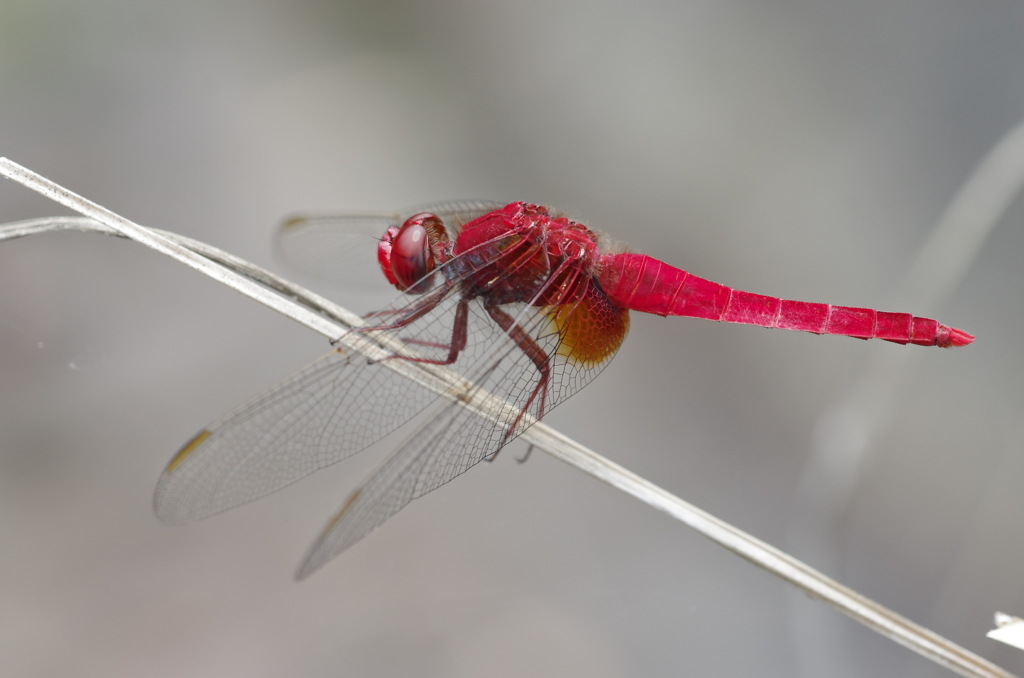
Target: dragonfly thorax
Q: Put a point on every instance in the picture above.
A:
(521, 253)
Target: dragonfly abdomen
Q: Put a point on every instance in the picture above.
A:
(642, 283)
(861, 323)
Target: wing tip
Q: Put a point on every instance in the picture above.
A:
(166, 508)
(188, 448)
(316, 556)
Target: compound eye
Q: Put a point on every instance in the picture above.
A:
(412, 256)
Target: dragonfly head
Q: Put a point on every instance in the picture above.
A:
(409, 254)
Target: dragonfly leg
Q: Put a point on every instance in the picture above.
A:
(418, 310)
(458, 341)
(429, 303)
(533, 351)
(521, 460)
(426, 344)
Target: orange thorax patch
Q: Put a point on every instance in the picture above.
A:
(591, 330)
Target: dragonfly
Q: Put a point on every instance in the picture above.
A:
(519, 301)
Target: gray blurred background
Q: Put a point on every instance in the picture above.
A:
(800, 149)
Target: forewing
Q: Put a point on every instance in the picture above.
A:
(458, 438)
(333, 408)
(343, 248)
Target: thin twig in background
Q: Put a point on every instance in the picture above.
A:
(313, 312)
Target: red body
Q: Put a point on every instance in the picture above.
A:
(520, 253)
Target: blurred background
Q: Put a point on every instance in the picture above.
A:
(799, 149)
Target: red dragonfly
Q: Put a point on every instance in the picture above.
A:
(523, 303)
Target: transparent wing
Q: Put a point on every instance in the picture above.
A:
(458, 438)
(343, 248)
(333, 408)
